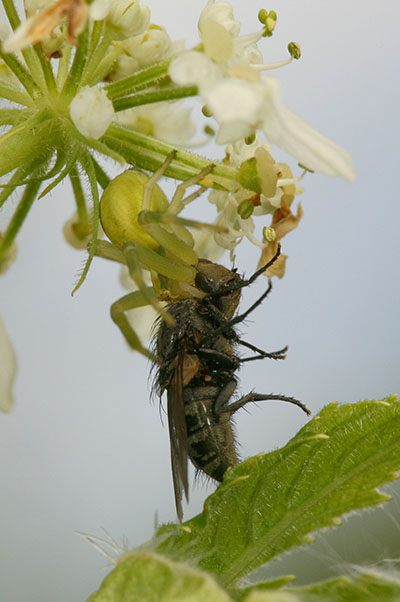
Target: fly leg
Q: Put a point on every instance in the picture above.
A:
(222, 400)
(248, 311)
(226, 325)
(225, 328)
(273, 355)
(251, 397)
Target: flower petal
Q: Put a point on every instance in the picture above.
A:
(221, 13)
(193, 67)
(236, 105)
(295, 136)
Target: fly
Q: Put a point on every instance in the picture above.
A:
(197, 362)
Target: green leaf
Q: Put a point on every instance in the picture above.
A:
(274, 501)
(146, 577)
(365, 587)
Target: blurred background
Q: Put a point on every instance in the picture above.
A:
(84, 450)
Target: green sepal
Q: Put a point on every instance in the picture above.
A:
(248, 175)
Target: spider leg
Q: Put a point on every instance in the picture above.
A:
(118, 309)
(178, 202)
(152, 181)
(130, 250)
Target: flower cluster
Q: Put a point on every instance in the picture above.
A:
(80, 80)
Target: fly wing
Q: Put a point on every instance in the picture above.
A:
(186, 367)
(178, 436)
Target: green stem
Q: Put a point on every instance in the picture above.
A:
(87, 164)
(102, 147)
(17, 178)
(47, 71)
(105, 65)
(21, 73)
(97, 31)
(33, 62)
(61, 175)
(29, 55)
(185, 162)
(18, 96)
(97, 56)
(26, 174)
(63, 66)
(166, 94)
(11, 13)
(17, 219)
(75, 74)
(129, 84)
(79, 197)
(13, 116)
(56, 167)
(33, 121)
(102, 178)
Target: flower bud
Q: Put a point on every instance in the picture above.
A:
(245, 208)
(129, 18)
(91, 111)
(76, 234)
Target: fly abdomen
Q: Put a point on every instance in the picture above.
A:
(210, 439)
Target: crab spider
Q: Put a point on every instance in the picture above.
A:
(147, 234)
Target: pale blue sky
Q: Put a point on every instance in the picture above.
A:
(84, 449)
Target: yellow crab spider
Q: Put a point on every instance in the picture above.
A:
(146, 233)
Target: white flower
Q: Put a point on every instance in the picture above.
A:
(228, 76)
(240, 151)
(129, 18)
(221, 13)
(237, 106)
(196, 68)
(8, 366)
(153, 46)
(295, 136)
(236, 227)
(148, 48)
(91, 111)
(164, 120)
(99, 9)
(205, 245)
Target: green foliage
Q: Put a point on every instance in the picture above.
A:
(275, 501)
(365, 587)
(147, 577)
